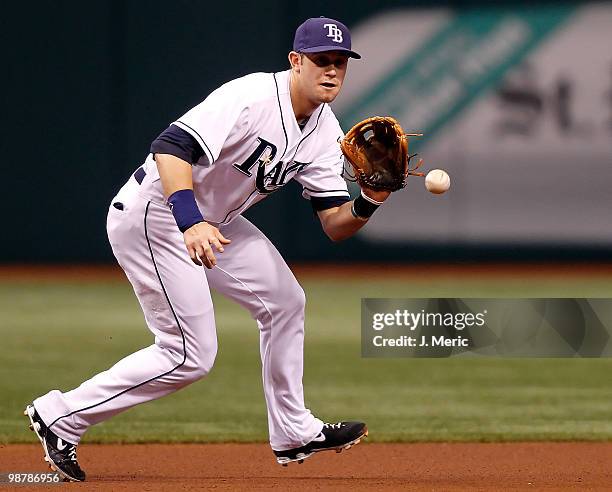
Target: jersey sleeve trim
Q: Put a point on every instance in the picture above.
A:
(198, 138)
(325, 193)
(325, 203)
(177, 142)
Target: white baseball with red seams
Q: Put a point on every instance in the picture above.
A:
(253, 145)
(437, 181)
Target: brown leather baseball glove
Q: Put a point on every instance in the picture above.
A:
(377, 149)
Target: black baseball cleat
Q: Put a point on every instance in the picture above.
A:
(60, 454)
(338, 436)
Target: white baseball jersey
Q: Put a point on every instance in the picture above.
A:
(253, 146)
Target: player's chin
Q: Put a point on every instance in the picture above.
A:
(328, 95)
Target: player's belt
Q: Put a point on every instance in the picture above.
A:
(139, 175)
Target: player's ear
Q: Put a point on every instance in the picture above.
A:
(295, 60)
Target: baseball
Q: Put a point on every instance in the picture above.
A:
(437, 181)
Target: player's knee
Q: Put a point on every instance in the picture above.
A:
(196, 370)
(286, 303)
(195, 373)
(199, 361)
(294, 299)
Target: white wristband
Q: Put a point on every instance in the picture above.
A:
(371, 200)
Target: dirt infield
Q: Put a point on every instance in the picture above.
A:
(428, 466)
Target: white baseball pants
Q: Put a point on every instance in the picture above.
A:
(175, 298)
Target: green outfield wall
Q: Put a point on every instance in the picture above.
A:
(88, 85)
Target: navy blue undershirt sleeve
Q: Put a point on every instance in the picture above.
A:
(177, 142)
(325, 202)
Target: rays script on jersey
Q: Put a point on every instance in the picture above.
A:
(272, 179)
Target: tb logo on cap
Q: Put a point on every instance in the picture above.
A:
(334, 32)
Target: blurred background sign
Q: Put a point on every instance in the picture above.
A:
(515, 104)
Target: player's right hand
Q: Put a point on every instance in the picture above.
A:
(199, 239)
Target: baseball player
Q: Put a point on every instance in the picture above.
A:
(182, 211)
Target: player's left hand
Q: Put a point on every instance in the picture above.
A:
(377, 150)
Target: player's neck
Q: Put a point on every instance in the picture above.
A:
(302, 107)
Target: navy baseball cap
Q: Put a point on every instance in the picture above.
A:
(323, 34)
